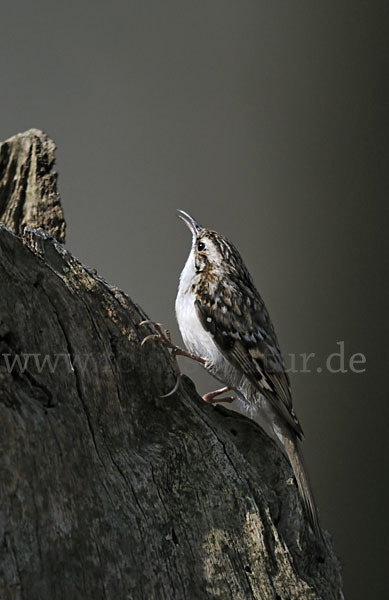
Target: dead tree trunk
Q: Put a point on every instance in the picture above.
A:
(108, 491)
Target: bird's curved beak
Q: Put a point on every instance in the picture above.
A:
(190, 222)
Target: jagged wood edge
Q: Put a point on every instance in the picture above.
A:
(28, 184)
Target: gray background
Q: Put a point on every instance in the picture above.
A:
(266, 121)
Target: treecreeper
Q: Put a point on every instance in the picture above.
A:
(225, 325)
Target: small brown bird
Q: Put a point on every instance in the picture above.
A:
(226, 326)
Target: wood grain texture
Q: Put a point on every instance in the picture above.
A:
(28, 184)
(108, 491)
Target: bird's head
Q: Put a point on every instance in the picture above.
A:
(209, 249)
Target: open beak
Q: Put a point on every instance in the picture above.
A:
(189, 221)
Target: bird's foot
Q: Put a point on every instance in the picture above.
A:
(210, 397)
(163, 336)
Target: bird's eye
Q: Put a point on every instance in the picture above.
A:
(200, 246)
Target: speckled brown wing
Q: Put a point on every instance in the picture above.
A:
(241, 327)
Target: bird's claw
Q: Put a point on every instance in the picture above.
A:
(164, 337)
(177, 386)
(227, 400)
(210, 397)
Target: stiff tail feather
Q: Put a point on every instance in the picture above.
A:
(297, 462)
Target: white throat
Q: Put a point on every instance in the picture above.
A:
(196, 339)
(187, 274)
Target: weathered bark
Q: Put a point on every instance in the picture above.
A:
(107, 490)
(28, 185)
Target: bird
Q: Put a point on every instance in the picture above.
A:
(226, 326)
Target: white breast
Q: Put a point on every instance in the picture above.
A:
(196, 339)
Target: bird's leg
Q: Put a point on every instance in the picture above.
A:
(164, 337)
(210, 397)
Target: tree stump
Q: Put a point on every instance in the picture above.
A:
(107, 490)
